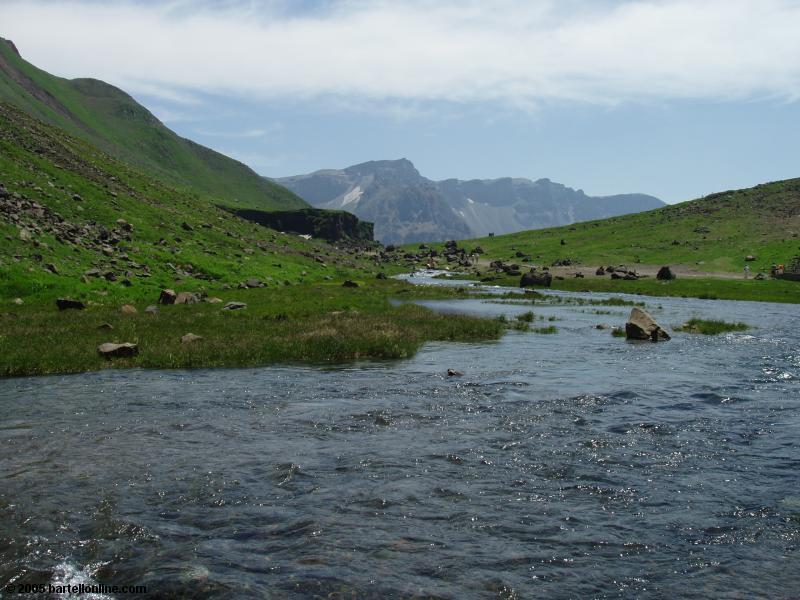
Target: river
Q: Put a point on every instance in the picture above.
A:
(567, 465)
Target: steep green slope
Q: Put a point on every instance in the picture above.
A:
(114, 122)
(713, 234)
(61, 201)
(77, 223)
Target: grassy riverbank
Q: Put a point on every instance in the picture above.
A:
(769, 290)
(706, 242)
(321, 323)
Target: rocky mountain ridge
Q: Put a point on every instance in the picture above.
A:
(407, 207)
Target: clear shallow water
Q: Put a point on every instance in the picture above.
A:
(566, 465)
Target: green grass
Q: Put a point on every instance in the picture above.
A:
(762, 221)
(711, 327)
(114, 122)
(526, 317)
(322, 323)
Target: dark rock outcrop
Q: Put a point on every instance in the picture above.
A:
(330, 225)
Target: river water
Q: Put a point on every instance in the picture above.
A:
(569, 465)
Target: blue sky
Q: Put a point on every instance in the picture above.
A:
(677, 98)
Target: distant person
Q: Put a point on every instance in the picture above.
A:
(746, 271)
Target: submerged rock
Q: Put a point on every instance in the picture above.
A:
(641, 326)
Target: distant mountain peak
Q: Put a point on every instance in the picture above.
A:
(395, 168)
(407, 207)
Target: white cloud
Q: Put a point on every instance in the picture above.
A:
(239, 135)
(514, 54)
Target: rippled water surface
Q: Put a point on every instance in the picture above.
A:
(566, 465)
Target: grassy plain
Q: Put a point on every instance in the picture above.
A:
(313, 323)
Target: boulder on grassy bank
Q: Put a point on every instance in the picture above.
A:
(111, 350)
(66, 303)
(533, 278)
(187, 298)
(641, 326)
(234, 306)
(665, 274)
(167, 297)
(128, 309)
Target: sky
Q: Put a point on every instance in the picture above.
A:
(675, 98)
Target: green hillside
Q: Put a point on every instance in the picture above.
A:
(713, 234)
(60, 203)
(114, 122)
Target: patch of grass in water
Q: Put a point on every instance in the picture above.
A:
(615, 301)
(549, 330)
(526, 317)
(711, 327)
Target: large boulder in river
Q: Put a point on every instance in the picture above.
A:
(532, 278)
(641, 326)
(665, 274)
(110, 350)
